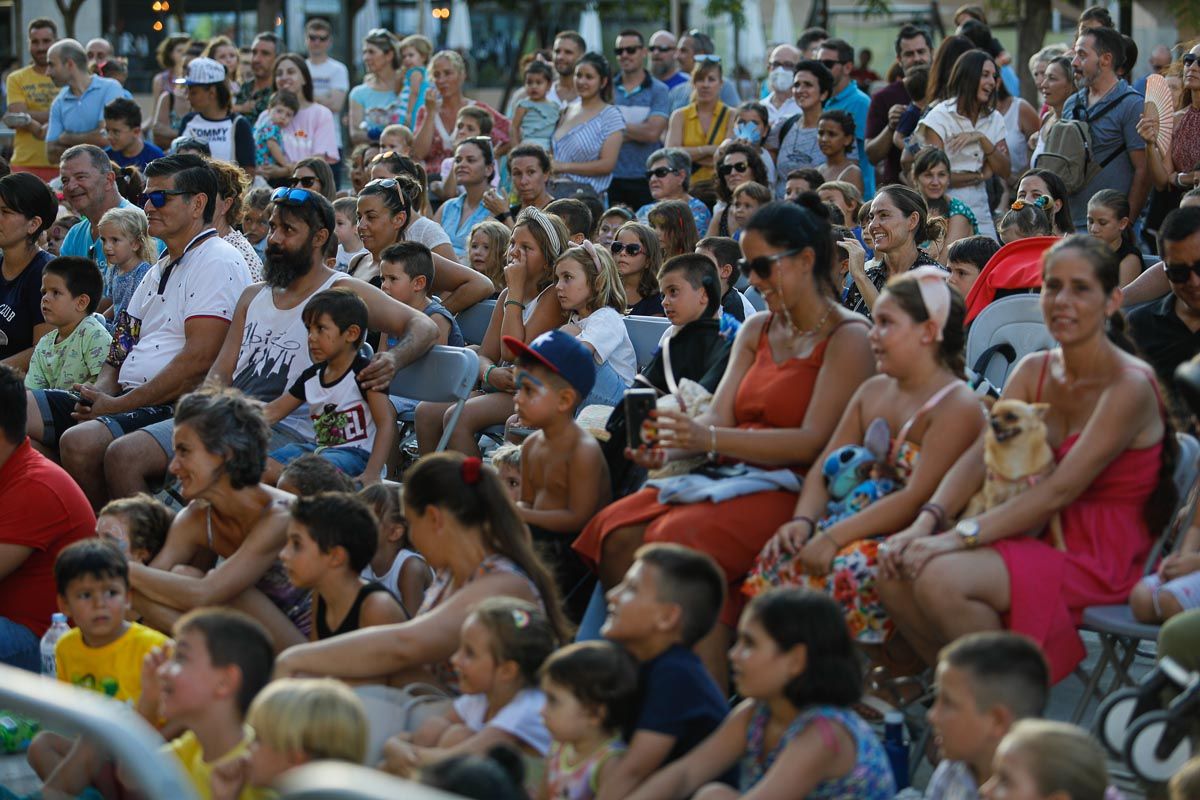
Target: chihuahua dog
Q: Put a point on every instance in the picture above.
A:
(1017, 456)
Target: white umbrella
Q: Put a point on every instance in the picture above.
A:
(459, 37)
(752, 42)
(783, 28)
(589, 29)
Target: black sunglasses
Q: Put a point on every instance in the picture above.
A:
(658, 172)
(761, 266)
(1189, 59)
(632, 249)
(727, 169)
(830, 63)
(626, 51)
(660, 48)
(307, 181)
(158, 198)
(316, 37)
(1179, 273)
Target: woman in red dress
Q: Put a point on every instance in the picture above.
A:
(776, 407)
(1112, 487)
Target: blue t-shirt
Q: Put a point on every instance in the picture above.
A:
(148, 153)
(120, 286)
(1115, 129)
(71, 114)
(436, 309)
(679, 698)
(653, 94)
(80, 242)
(857, 102)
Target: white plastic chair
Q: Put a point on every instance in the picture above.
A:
(473, 321)
(1119, 633)
(443, 375)
(645, 333)
(1005, 332)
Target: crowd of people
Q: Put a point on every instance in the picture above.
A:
(210, 307)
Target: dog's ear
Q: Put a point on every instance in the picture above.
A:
(1040, 409)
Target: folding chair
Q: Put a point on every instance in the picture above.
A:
(1004, 332)
(755, 299)
(645, 333)
(1119, 633)
(443, 375)
(473, 321)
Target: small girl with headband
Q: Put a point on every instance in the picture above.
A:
(592, 295)
(501, 649)
(832, 543)
(1025, 219)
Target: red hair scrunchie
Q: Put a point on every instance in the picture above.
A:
(471, 470)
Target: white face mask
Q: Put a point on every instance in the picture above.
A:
(780, 80)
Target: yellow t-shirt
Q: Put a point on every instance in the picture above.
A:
(115, 669)
(187, 749)
(37, 92)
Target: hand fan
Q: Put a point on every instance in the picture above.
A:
(1160, 102)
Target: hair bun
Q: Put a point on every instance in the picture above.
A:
(812, 202)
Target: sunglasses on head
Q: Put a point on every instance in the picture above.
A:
(158, 198)
(738, 167)
(715, 59)
(307, 181)
(762, 265)
(291, 196)
(658, 172)
(1189, 59)
(626, 51)
(633, 249)
(1179, 273)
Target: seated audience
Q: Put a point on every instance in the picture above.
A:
(310, 474)
(575, 214)
(609, 223)
(1037, 183)
(668, 172)
(1112, 487)
(675, 226)
(1050, 759)
(737, 162)
(638, 254)
(966, 259)
(395, 563)
(137, 525)
(726, 254)
(1024, 220)
(75, 350)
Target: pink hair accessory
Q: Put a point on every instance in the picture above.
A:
(935, 294)
(591, 251)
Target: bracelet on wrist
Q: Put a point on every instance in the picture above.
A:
(516, 303)
(487, 375)
(938, 513)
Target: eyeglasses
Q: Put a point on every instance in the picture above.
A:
(1179, 273)
(830, 63)
(632, 249)
(1189, 59)
(626, 51)
(788, 65)
(660, 48)
(738, 167)
(658, 172)
(761, 266)
(158, 198)
(307, 181)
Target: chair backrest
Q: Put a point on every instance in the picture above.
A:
(1004, 332)
(1149, 261)
(645, 333)
(755, 299)
(1187, 471)
(443, 375)
(338, 780)
(473, 321)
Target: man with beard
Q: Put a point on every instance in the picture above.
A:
(165, 338)
(569, 46)
(663, 64)
(266, 346)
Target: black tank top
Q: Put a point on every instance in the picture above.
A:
(350, 623)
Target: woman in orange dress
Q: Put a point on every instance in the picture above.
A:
(776, 407)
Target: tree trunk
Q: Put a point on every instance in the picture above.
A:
(69, 11)
(268, 12)
(1031, 33)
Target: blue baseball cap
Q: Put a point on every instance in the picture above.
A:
(562, 354)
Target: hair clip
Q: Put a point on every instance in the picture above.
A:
(471, 469)
(521, 618)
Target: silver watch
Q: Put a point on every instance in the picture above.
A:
(968, 531)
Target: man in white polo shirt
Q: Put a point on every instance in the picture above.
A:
(167, 337)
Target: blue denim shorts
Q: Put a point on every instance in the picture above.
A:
(350, 460)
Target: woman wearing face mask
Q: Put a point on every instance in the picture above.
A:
(668, 171)
(737, 163)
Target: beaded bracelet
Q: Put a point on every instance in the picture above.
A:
(939, 514)
(516, 303)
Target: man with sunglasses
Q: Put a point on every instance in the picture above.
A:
(253, 96)
(265, 348)
(166, 338)
(330, 78)
(696, 46)
(838, 57)
(663, 64)
(1167, 331)
(644, 102)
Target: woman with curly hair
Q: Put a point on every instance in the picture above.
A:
(737, 163)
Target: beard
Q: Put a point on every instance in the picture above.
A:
(282, 267)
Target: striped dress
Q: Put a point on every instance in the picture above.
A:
(583, 143)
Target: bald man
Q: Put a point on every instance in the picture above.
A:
(77, 113)
(98, 51)
(1160, 62)
(663, 64)
(781, 70)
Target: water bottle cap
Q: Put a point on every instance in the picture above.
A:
(893, 718)
(58, 616)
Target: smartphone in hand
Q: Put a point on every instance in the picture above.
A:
(638, 405)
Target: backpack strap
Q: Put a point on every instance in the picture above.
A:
(787, 126)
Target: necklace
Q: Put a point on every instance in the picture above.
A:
(798, 331)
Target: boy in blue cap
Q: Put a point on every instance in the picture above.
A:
(564, 478)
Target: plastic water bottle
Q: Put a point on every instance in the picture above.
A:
(896, 745)
(58, 626)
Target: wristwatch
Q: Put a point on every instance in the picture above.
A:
(968, 532)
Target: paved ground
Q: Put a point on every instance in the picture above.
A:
(16, 776)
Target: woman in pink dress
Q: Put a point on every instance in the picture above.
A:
(1112, 488)
(313, 131)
